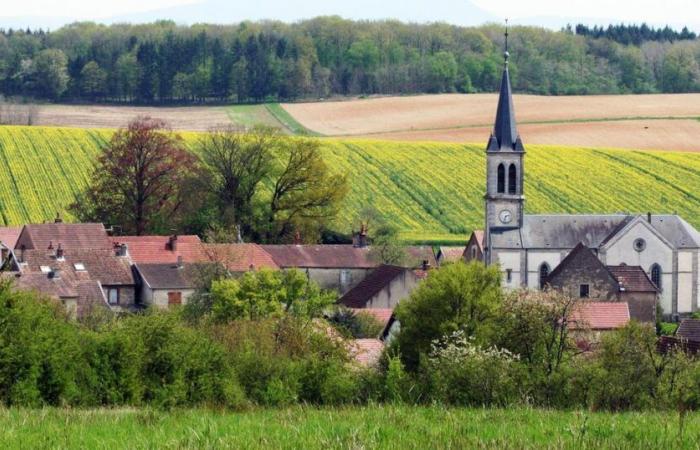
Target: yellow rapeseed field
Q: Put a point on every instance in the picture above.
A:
(431, 191)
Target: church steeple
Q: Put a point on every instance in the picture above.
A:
(505, 131)
(504, 169)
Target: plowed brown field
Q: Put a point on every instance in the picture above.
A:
(665, 121)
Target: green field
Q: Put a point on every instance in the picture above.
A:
(349, 428)
(432, 191)
(268, 114)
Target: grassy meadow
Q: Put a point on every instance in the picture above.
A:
(395, 427)
(433, 192)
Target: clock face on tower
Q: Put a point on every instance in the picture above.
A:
(505, 216)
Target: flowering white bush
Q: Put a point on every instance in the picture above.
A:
(464, 373)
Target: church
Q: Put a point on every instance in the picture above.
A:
(528, 247)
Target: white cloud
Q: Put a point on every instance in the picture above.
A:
(84, 9)
(656, 11)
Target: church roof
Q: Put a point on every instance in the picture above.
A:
(565, 231)
(505, 131)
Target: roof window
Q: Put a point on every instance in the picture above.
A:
(79, 267)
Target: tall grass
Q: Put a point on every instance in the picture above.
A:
(366, 427)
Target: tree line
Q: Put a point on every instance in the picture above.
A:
(635, 34)
(272, 61)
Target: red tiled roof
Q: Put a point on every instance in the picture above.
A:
(377, 280)
(320, 256)
(383, 315)
(100, 265)
(451, 254)
(600, 315)
(69, 235)
(366, 351)
(240, 257)
(9, 235)
(156, 249)
(632, 279)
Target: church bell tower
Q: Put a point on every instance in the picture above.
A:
(504, 166)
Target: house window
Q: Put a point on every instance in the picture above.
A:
(544, 273)
(584, 291)
(509, 275)
(512, 177)
(113, 296)
(174, 298)
(501, 179)
(656, 275)
(473, 252)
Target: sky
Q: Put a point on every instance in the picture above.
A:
(548, 13)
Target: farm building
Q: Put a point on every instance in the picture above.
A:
(529, 247)
(383, 288)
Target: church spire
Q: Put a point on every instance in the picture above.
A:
(505, 132)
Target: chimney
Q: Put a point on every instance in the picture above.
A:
(58, 218)
(649, 217)
(179, 262)
(55, 273)
(172, 243)
(59, 252)
(360, 240)
(426, 265)
(122, 250)
(50, 245)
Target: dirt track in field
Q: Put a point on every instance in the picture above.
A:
(191, 118)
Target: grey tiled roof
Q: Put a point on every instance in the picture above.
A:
(565, 231)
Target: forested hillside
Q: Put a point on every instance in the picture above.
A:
(327, 56)
(432, 192)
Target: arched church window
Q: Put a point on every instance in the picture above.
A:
(656, 275)
(512, 176)
(544, 273)
(501, 179)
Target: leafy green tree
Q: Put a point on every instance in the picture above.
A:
(680, 71)
(306, 195)
(387, 247)
(266, 293)
(51, 72)
(443, 71)
(460, 296)
(127, 76)
(93, 80)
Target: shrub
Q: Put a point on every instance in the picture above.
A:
(457, 297)
(41, 356)
(629, 365)
(463, 373)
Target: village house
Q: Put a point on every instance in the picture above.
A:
(333, 267)
(528, 247)
(383, 288)
(583, 276)
(590, 320)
